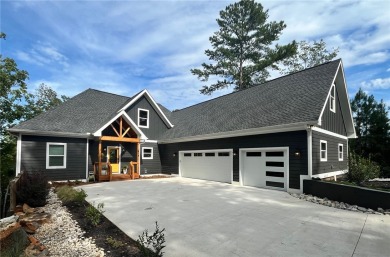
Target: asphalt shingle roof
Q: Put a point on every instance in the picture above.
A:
(294, 98)
(85, 113)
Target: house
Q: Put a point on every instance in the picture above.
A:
(272, 135)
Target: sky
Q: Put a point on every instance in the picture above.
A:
(124, 47)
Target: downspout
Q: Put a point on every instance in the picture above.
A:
(18, 154)
(309, 151)
(86, 161)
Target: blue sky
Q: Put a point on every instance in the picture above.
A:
(126, 46)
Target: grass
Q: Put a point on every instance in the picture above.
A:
(68, 194)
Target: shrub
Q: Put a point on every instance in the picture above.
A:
(33, 189)
(156, 240)
(361, 169)
(114, 243)
(69, 195)
(94, 214)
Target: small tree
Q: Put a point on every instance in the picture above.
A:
(307, 56)
(242, 48)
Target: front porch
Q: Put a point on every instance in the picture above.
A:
(118, 151)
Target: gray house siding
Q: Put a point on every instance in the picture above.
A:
(33, 157)
(334, 121)
(151, 166)
(332, 163)
(296, 140)
(157, 126)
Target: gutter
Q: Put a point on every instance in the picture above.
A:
(49, 133)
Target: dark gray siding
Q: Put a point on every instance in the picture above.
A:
(33, 157)
(156, 125)
(151, 166)
(294, 140)
(334, 121)
(333, 163)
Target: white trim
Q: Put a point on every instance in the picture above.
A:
(86, 162)
(309, 152)
(353, 135)
(301, 178)
(151, 141)
(342, 152)
(147, 158)
(119, 157)
(48, 144)
(244, 132)
(326, 151)
(287, 161)
(329, 133)
(332, 99)
(98, 133)
(18, 154)
(147, 118)
(49, 133)
(330, 174)
(155, 105)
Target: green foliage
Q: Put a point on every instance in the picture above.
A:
(34, 189)
(372, 125)
(114, 243)
(308, 56)
(155, 241)
(94, 213)
(69, 195)
(243, 48)
(361, 169)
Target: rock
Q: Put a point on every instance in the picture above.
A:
(4, 223)
(380, 209)
(27, 208)
(362, 209)
(30, 227)
(18, 208)
(13, 240)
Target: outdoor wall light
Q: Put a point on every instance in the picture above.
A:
(235, 153)
(297, 153)
(174, 154)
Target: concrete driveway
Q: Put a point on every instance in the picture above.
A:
(204, 218)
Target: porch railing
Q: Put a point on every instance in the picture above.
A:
(103, 171)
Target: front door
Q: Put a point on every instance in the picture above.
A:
(113, 158)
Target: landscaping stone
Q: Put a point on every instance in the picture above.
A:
(340, 205)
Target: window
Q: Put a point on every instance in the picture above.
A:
(55, 156)
(332, 99)
(223, 154)
(143, 118)
(147, 152)
(209, 154)
(341, 152)
(323, 150)
(187, 154)
(198, 154)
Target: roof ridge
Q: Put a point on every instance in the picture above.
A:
(234, 92)
(101, 91)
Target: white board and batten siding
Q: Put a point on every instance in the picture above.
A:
(264, 167)
(214, 165)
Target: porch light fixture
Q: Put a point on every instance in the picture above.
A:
(174, 154)
(234, 153)
(297, 153)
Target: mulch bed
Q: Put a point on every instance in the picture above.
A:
(381, 185)
(105, 229)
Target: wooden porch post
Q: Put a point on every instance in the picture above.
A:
(138, 159)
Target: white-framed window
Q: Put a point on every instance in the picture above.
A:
(143, 118)
(323, 150)
(56, 156)
(332, 99)
(341, 152)
(147, 152)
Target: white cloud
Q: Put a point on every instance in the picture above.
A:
(43, 54)
(380, 83)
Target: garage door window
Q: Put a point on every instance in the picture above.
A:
(324, 150)
(187, 154)
(198, 154)
(147, 153)
(224, 154)
(275, 174)
(253, 154)
(209, 154)
(274, 154)
(274, 164)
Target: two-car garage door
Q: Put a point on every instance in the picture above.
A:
(215, 165)
(259, 167)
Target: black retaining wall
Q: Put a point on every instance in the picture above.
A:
(368, 198)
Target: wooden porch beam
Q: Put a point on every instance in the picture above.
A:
(121, 126)
(120, 139)
(127, 130)
(116, 132)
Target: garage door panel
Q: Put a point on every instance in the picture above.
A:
(208, 165)
(265, 168)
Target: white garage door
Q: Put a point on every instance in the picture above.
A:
(215, 165)
(265, 167)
